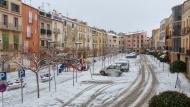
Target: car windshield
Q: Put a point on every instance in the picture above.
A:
(111, 67)
(114, 67)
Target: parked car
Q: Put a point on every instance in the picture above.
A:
(124, 65)
(112, 70)
(46, 77)
(132, 55)
(15, 85)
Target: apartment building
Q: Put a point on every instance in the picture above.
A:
(89, 41)
(45, 28)
(10, 26)
(30, 23)
(176, 37)
(155, 39)
(136, 41)
(169, 33)
(114, 41)
(185, 36)
(161, 43)
(95, 41)
(57, 31)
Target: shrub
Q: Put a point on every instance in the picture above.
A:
(170, 99)
(177, 67)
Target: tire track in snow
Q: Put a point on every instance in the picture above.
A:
(79, 94)
(98, 93)
(147, 91)
(132, 92)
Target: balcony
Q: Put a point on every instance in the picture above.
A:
(43, 31)
(10, 27)
(49, 32)
(78, 42)
(182, 50)
(185, 31)
(56, 31)
(48, 15)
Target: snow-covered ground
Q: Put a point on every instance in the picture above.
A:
(167, 80)
(95, 91)
(68, 95)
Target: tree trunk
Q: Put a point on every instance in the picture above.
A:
(176, 80)
(38, 86)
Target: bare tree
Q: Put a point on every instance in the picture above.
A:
(35, 62)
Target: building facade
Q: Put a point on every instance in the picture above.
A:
(136, 41)
(185, 36)
(57, 31)
(169, 33)
(30, 22)
(10, 26)
(45, 28)
(155, 39)
(176, 37)
(161, 43)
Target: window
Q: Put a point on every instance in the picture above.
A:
(65, 23)
(42, 43)
(28, 31)
(25, 46)
(5, 40)
(4, 4)
(30, 16)
(15, 7)
(15, 22)
(5, 20)
(16, 42)
(48, 26)
(42, 25)
(73, 25)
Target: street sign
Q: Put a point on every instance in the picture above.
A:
(21, 73)
(3, 76)
(3, 87)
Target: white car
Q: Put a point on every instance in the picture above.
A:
(124, 65)
(131, 55)
(15, 85)
(112, 70)
(46, 77)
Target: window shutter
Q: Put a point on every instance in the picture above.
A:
(30, 17)
(28, 31)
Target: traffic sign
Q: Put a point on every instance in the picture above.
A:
(3, 76)
(3, 87)
(21, 73)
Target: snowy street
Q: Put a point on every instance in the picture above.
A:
(132, 89)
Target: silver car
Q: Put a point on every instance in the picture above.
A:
(112, 70)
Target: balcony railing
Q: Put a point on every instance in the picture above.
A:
(49, 32)
(43, 31)
(10, 27)
(185, 31)
(182, 50)
(56, 31)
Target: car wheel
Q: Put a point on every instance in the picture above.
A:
(103, 73)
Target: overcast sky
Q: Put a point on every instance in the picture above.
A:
(117, 15)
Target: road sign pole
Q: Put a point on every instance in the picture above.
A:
(73, 77)
(2, 100)
(22, 99)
